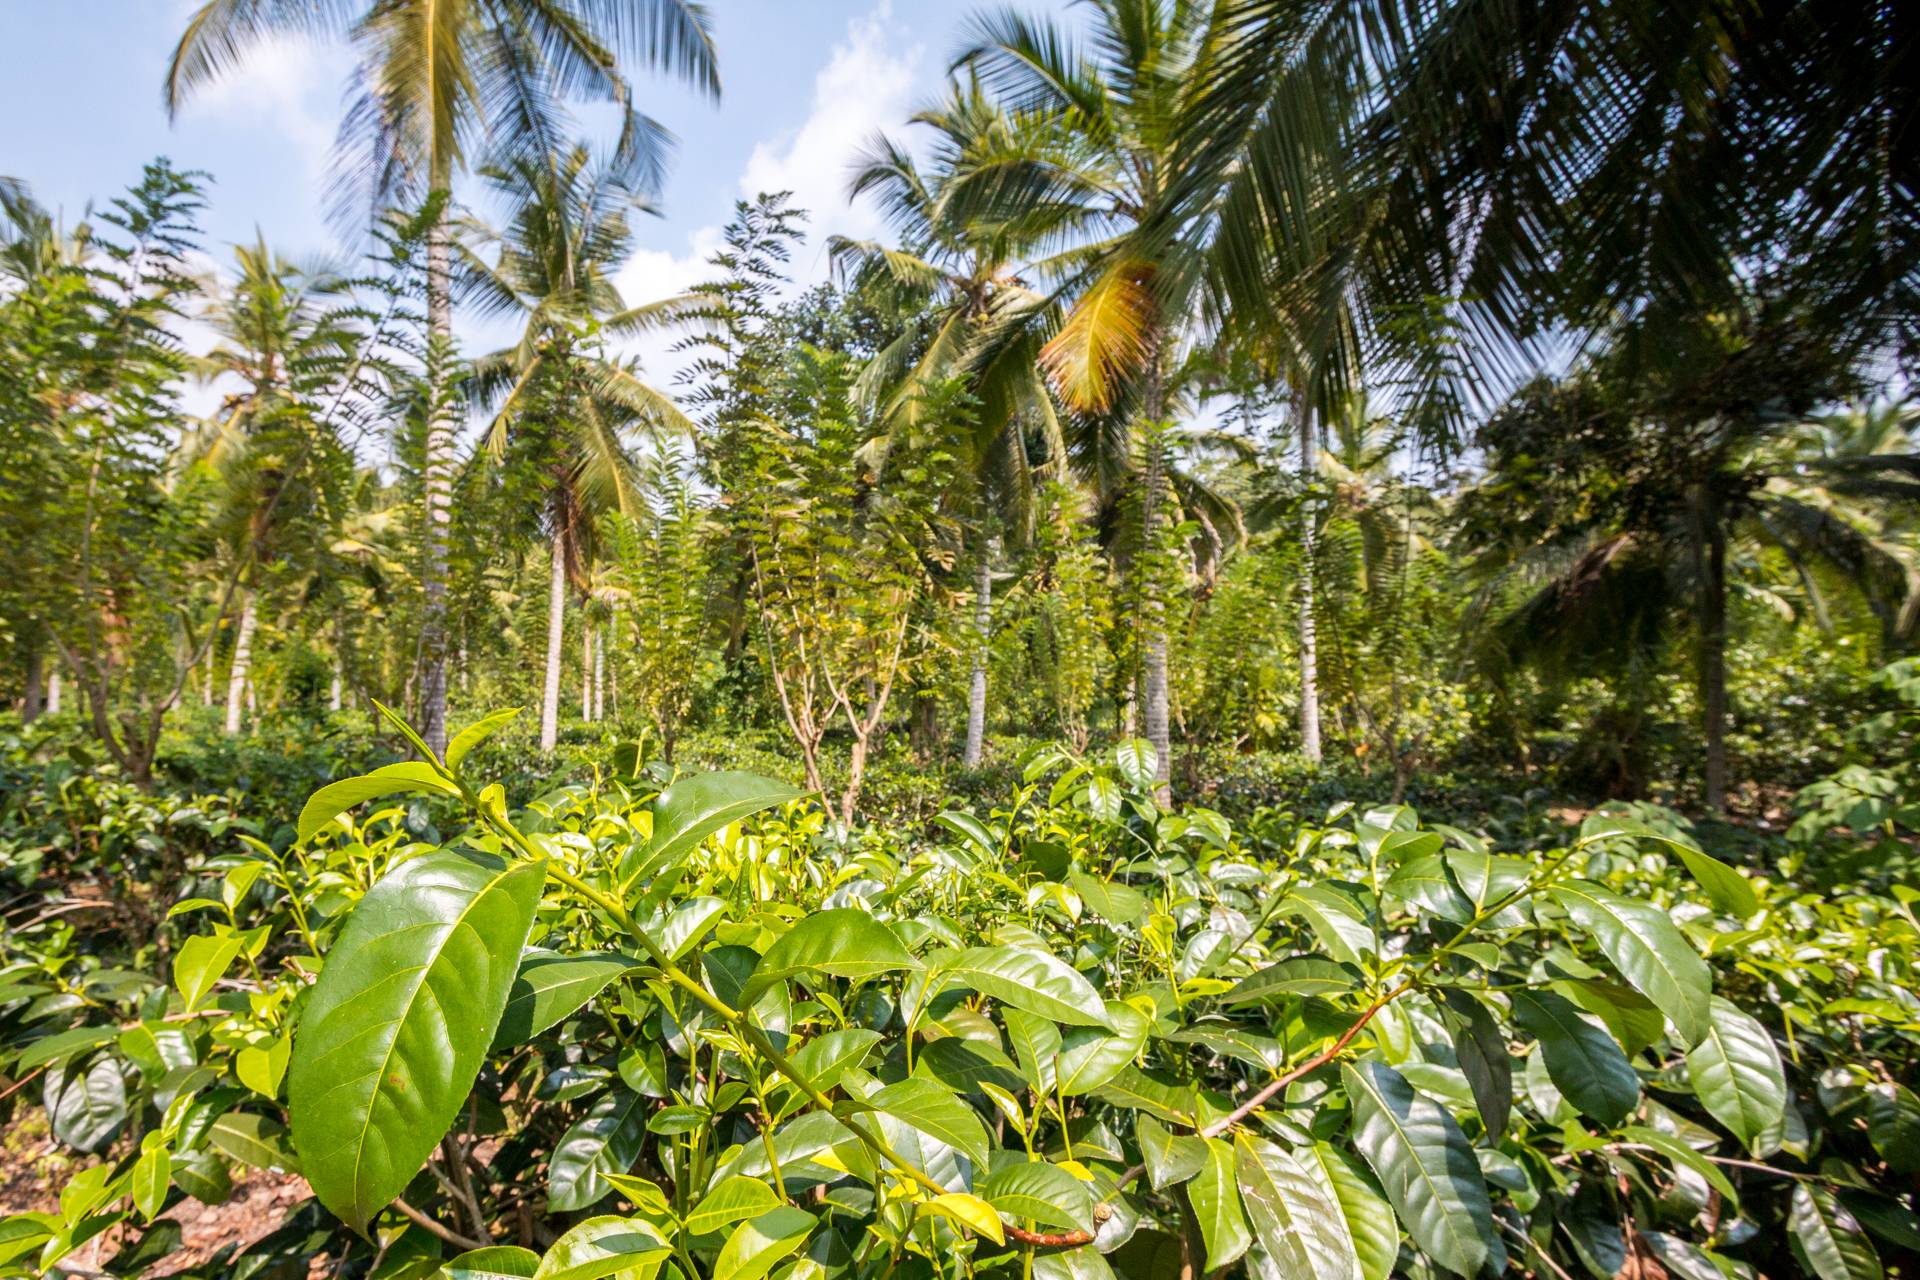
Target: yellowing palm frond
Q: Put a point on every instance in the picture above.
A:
(1107, 338)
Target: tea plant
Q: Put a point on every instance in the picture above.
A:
(704, 1031)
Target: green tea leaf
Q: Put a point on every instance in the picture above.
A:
(1042, 1193)
(1893, 1122)
(406, 778)
(495, 1262)
(607, 1139)
(476, 733)
(1036, 981)
(600, 1247)
(736, 1198)
(1427, 1167)
(1737, 1074)
(1298, 1221)
(755, 1247)
(202, 961)
(1215, 1196)
(395, 1030)
(1648, 950)
(1828, 1237)
(845, 942)
(692, 809)
(1299, 976)
(1583, 1061)
(1170, 1158)
(549, 987)
(1090, 1056)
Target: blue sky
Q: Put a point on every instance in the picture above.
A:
(805, 83)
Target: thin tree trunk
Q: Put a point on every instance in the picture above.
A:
(1309, 634)
(333, 690)
(586, 668)
(242, 659)
(977, 687)
(438, 467)
(30, 696)
(1710, 558)
(599, 679)
(556, 635)
(53, 690)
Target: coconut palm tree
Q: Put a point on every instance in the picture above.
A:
(1630, 507)
(572, 406)
(435, 81)
(1114, 105)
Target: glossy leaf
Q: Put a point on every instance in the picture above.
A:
(1036, 981)
(476, 733)
(1298, 1221)
(1648, 950)
(929, 1108)
(1583, 1061)
(757, 1246)
(1214, 1194)
(549, 987)
(1042, 1193)
(1170, 1158)
(1893, 1123)
(1427, 1167)
(397, 1026)
(735, 1199)
(1737, 1074)
(409, 777)
(845, 943)
(495, 1262)
(1364, 1211)
(1091, 1056)
(202, 961)
(1480, 1047)
(692, 809)
(607, 1139)
(1828, 1237)
(1299, 976)
(600, 1247)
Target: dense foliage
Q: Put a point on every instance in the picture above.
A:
(1303, 671)
(707, 1029)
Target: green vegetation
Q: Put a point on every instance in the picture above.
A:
(1305, 673)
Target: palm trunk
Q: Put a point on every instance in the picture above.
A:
(333, 689)
(438, 469)
(1153, 681)
(556, 635)
(1309, 634)
(53, 691)
(242, 659)
(977, 688)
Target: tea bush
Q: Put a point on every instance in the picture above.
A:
(647, 1025)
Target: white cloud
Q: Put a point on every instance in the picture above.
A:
(287, 87)
(868, 85)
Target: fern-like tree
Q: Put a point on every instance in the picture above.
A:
(975, 320)
(574, 406)
(436, 83)
(284, 335)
